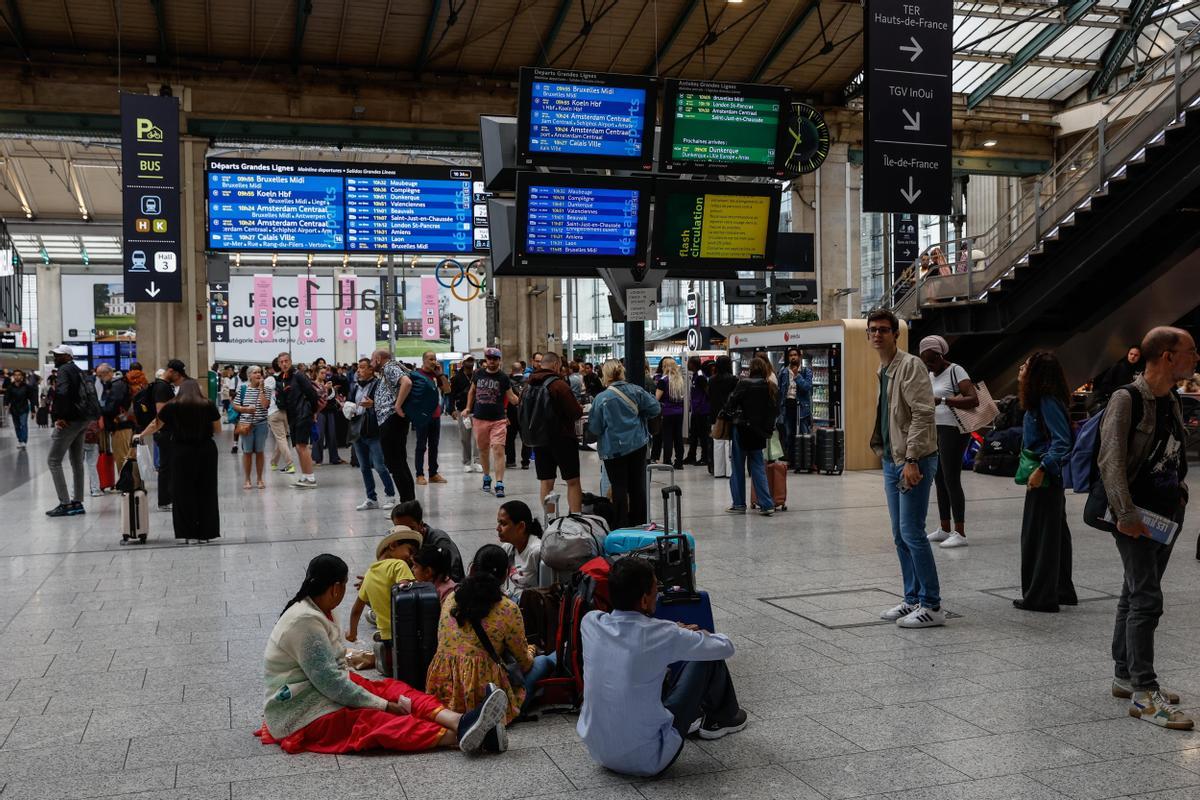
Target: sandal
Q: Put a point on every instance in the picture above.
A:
(262, 485)
(246, 485)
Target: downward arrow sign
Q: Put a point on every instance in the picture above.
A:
(154, 290)
(914, 123)
(909, 194)
(916, 48)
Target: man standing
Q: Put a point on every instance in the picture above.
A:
(114, 407)
(535, 363)
(516, 374)
(21, 399)
(367, 447)
(277, 423)
(491, 391)
(460, 387)
(906, 440)
(394, 388)
(561, 455)
(431, 434)
(795, 402)
(298, 398)
(1143, 465)
(74, 406)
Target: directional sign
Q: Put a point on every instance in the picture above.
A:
(218, 312)
(150, 198)
(905, 247)
(908, 111)
(641, 305)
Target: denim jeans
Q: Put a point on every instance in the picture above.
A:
(1139, 609)
(370, 454)
(907, 510)
(326, 440)
(758, 474)
(429, 437)
(543, 666)
(21, 424)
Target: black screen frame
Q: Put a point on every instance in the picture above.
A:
(671, 166)
(563, 266)
(526, 159)
(712, 268)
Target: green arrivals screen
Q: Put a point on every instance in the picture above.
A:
(725, 129)
(716, 226)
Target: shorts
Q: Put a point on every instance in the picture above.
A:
(256, 440)
(561, 457)
(300, 431)
(489, 431)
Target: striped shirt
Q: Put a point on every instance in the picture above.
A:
(249, 396)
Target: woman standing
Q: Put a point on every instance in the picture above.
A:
(21, 398)
(192, 422)
(316, 704)
(699, 421)
(618, 419)
(670, 392)
(1045, 538)
(719, 389)
(751, 409)
(252, 404)
(952, 388)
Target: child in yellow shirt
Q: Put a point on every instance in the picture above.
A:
(393, 557)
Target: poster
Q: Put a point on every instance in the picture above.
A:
(94, 308)
(347, 316)
(431, 328)
(305, 288)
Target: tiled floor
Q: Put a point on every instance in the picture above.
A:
(134, 672)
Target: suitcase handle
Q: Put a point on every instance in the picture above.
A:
(550, 501)
(650, 470)
(668, 492)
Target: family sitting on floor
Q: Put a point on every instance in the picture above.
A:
(635, 714)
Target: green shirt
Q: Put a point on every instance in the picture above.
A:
(883, 410)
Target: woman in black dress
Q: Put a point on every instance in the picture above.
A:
(192, 420)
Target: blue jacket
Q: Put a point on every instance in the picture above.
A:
(803, 391)
(619, 429)
(1047, 432)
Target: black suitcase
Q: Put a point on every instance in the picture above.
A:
(830, 445)
(992, 463)
(43, 416)
(802, 453)
(415, 613)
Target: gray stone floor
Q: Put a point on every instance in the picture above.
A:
(135, 671)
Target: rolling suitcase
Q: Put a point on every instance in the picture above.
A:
(803, 452)
(831, 443)
(106, 468)
(777, 483)
(693, 612)
(415, 613)
(624, 540)
(135, 504)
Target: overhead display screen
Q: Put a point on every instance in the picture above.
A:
(326, 206)
(727, 127)
(706, 229)
(573, 224)
(568, 119)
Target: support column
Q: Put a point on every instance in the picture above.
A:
(49, 302)
(838, 213)
(530, 314)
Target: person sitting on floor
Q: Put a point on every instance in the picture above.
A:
(393, 559)
(409, 513)
(431, 564)
(631, 721)
(315, 703)
(520, 535)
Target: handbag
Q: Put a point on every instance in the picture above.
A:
(721, 429)
(981, 416)
(516, 676)
(241, 427)
(774, 448)
(1029, 462)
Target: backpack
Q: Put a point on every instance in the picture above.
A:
(143, 408)
(570, 542)
(540, 610)
(421, 401)
(537, 413)
(1081, 467)
(587, 591)
(88, 405)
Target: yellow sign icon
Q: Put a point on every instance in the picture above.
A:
(147, 131)
(141, 225)
(160, 226)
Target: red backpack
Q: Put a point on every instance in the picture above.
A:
(587, 591)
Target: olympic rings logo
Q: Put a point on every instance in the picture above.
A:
(451, 274)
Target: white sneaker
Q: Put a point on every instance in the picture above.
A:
(305, 484)
(477, 467)
(938, 535)
(20, 445)
(902, 610)
(923, 618)
(956, 540)
(367, 505)
(468, 468)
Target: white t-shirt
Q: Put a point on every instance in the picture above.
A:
(523, 567)
(269, 384)
(946, 385)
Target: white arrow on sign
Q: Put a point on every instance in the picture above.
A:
(909, 194)
(914, 123)
(153, 290)
(916, 48)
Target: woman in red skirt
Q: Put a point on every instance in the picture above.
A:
(316, 704)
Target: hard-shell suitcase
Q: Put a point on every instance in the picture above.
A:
(415, 613)
(692, 612)
(831, 444)
(802, 452)
(624, 540)
(135, 516)
(777, 483)
(43, 416)
(106, 469)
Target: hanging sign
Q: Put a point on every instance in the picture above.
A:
(264, 308)
(150, 198)
(430, 321)
(347, 317)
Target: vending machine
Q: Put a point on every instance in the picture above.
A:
(826, 364)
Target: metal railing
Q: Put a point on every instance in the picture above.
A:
(1139, 118)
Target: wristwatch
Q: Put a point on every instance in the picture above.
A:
(910, 461)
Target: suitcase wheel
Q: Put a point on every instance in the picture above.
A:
(781, 507)
(142, 538)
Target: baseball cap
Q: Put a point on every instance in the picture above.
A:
(63, 350)
(492, 352)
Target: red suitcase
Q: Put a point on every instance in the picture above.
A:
(777, 482)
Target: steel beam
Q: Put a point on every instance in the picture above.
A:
(1120, 45)
(1029, 52)
(12, 18)
(992, 57)
(560, 16)
(164, 41)
(672, 34)
(430, 27)
(303, 11)
(1008, 16)
(784, 39)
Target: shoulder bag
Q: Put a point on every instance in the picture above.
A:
(981, 416)
(653, 424)
(516, 676)
(242, 426)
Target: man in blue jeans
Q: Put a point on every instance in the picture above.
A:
(905, 438)
(368, 446)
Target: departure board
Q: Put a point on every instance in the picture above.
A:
(275, 211)
(700, 226)
(585, 119)
(730, 128)
(410, 215)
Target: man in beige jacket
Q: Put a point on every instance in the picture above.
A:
(905, 437)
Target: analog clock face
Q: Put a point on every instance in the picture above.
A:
(809, 140)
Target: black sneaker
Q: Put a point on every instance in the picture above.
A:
(477, 723)
(75, 509)
(712, 729)
(60, 510)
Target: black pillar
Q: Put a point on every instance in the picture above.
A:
(635, 352)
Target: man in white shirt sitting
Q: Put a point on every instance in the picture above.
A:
(635, 717)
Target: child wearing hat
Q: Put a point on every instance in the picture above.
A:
(393, 557)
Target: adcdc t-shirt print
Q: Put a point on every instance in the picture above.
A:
(490, 391)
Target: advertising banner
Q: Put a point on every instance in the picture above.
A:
(305, 287)
(431, 327)
(264, 308)
(347, 316)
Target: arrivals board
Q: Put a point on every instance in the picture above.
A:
(580, 119)
(723, 127)
(705, 229)
(332, 207)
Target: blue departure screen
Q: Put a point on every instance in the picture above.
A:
(581, 119)
(581, 221)
(409, 215)
(262, 211)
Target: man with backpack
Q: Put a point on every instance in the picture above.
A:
(491, 391)
(73, 408)
(115, 410)
(1142, 465)
(297, 396)
(400, 403)
(548, 414)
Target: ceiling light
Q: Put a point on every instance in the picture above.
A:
(989, 143)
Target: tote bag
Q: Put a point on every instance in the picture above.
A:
(972, 419)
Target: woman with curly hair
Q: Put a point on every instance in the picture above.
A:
(1045, 537)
